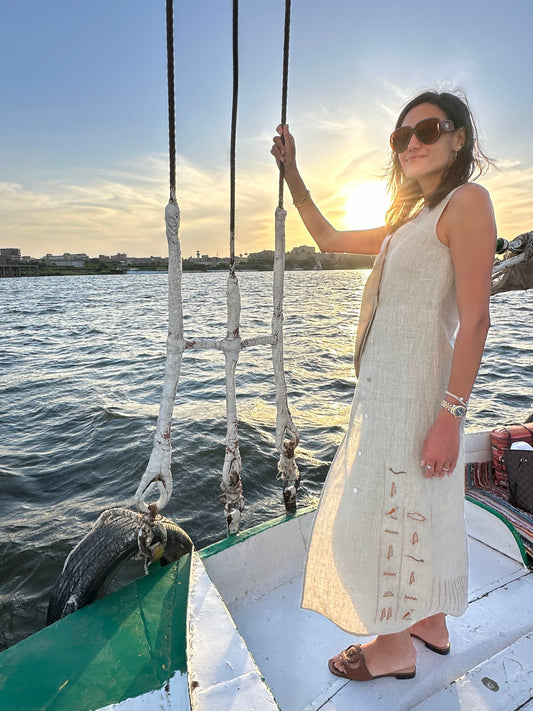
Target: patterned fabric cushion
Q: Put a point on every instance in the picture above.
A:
(482, 486)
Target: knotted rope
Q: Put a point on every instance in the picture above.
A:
(231, 484)
(158, 473)
(287, 436)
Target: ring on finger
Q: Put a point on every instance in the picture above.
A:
(445, 469)
(429, 466)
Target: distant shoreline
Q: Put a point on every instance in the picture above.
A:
(133, 272)
(339, 262)
(302, 258)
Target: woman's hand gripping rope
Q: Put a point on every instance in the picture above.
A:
(284, 148)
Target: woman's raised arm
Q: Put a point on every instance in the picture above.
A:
(325, 235)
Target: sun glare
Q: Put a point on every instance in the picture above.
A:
(366, 205)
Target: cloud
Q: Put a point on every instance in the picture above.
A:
(511, 189)
(69, 217)
(123, 210)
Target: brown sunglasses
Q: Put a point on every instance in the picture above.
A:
(427, 131)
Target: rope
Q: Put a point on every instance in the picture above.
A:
(171, 100)
(284, 87)
(235, 44)
(231, 484)
(287, 436)
(158, 475)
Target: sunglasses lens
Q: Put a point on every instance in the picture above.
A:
(428, 130)
(400, 138)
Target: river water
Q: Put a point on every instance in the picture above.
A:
(81, 369)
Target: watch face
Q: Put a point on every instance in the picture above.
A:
(456, 410)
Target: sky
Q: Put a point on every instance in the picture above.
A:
(83, 114)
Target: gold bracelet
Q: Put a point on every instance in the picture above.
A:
(298, 203)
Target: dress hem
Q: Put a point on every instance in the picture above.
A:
(387, 630)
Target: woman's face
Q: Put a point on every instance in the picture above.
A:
(426, 163)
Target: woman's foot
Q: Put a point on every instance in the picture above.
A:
(388, 654)
(433, 632)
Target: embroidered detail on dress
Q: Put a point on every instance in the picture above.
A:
(414, 539)
(388, 530)
(390, 575)
(410, 597)
(392, 512)
(390, 553)
(393, 489)
(416, 516)
(412, 578)
(385, 614)
(392, 470)
(406, 616)
(388, 594)
(418, 560)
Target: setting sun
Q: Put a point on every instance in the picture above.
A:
(366, 205)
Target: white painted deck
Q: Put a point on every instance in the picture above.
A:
(490, 666)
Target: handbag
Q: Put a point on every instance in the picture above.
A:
(519, 467)
(501, 439)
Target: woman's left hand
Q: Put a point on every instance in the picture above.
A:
(441, 446)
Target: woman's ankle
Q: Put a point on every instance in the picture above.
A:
(432, 629)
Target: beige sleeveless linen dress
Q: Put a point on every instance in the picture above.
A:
(388, 546)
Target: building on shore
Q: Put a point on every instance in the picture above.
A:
(157, 263)
(11, 254)
(66, 260)
(12, 264)
(119, 258)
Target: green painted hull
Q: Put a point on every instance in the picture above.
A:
(124, 645)
(135, 644)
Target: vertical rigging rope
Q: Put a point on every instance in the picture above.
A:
(158, 473)
(231, 484)
(235, 42)
(285, 87)
(287, 436)
(171, 100)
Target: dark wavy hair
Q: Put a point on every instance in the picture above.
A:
(406, 197)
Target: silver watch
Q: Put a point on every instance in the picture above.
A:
(456, 410)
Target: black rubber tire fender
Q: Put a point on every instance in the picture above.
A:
(93, 562)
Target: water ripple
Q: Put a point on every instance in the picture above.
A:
(82, 364)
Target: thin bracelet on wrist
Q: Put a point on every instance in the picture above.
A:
(459, 399)
(300, 201)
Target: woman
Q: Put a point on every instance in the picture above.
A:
(388, 553)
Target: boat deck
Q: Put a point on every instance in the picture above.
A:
(490, 666)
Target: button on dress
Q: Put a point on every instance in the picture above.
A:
(388, 546)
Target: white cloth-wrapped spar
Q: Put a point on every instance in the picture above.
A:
(515, 271)
(231, 484)
(158, 473)
(287, 436)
